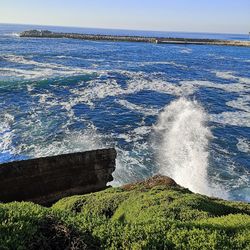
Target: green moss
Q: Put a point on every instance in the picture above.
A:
(160, 217)
(24, 225)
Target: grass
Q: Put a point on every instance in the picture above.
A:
(149, 215)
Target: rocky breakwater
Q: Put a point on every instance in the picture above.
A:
(114, 38)
(94, 37)
(48, 179)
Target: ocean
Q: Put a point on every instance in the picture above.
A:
(178, 110)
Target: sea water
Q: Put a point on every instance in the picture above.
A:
(178, 110)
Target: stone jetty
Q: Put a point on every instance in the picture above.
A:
(114, 38)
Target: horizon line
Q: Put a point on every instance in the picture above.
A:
(125, 29)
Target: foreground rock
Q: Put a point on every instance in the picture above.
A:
(162, 40)
(45, 180)
(157, 180)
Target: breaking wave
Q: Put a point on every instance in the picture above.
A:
(183, 145)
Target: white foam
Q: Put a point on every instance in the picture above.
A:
(225, 75)
(243, 145)
(186, 51)
(89, 139)
(242, 103)
(130, 164)
(136, 134)
(39, 70)
(239, 118)
(5, 131)
(45, 69)
(233, 87)
(137, 108)
(99, 89)
(75, 142)
(182, 149)
(13, 34)
(229, 75)
(172, 63)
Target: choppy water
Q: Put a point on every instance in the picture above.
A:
(181, 110)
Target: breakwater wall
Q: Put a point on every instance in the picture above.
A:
(158, 40)
(48, 179)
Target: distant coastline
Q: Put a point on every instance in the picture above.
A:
(114, 38)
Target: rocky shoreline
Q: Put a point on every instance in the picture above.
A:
(114, 38)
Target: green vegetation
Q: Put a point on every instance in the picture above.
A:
(143, 216)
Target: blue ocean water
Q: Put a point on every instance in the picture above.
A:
(180, 110)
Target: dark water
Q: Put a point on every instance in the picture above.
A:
(181, 110)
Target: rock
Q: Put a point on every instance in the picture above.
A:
(157, 180)
(46, 180)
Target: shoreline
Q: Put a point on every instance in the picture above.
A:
(118, 38)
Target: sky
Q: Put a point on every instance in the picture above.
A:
(220, 16)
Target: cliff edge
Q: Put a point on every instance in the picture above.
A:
(48, 179)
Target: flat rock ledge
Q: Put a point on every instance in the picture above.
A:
(48, 179)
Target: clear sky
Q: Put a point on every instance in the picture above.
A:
(222, 16)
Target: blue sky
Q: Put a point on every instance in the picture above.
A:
(223, 16)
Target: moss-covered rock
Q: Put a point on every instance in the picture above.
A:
(155, 214)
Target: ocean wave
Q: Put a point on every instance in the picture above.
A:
(46, 70)
(12, 34)
(229, 75)
(137, 108)
(183, 146)
(70, 142)
(40, 70)
(171, 63)
(243, 145)
(5, 132)
(130, 165)
(97, 89)
(186, 51)
(233, 87)
(242, 103)
(240, 118)
(42, 73)
(237, 118)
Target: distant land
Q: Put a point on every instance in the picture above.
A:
(161, 40)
